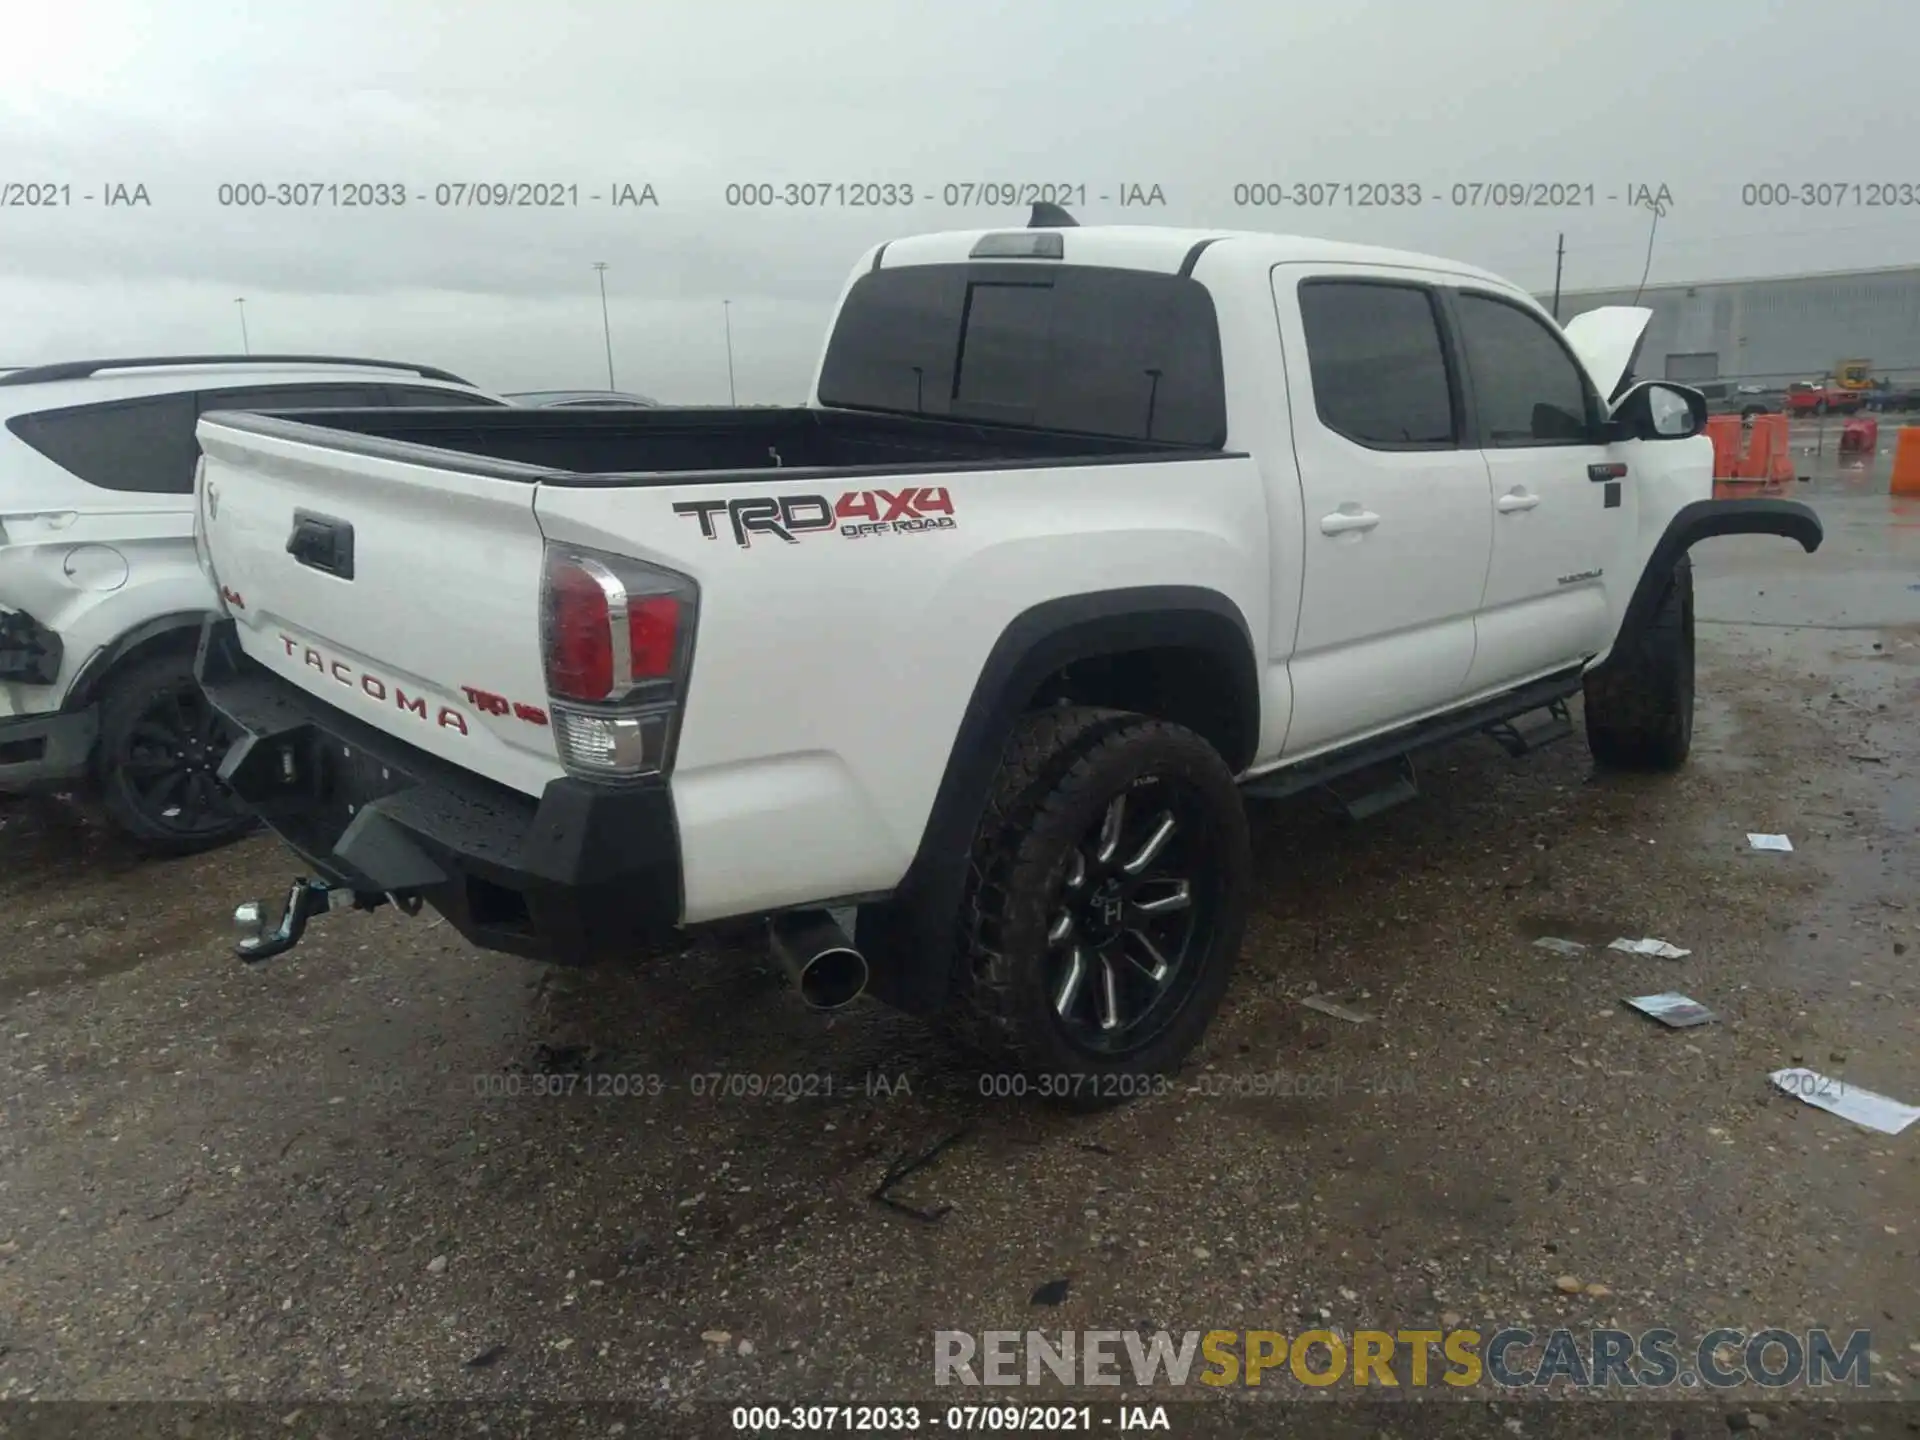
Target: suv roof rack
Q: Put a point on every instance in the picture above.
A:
(82, 369)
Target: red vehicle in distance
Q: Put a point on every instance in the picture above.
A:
(1811, 397)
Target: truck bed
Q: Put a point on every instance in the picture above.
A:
(680, 446)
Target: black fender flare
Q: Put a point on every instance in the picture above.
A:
(910, 937)
(1701, 520)
(87, 685)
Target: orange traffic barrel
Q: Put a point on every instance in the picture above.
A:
(1906, 462)
(1724, 431)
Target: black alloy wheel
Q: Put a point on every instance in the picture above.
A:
(161, 745)
(1107, 895)
(173, 764)
(1136, 900)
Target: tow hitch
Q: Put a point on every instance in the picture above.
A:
(305, 899)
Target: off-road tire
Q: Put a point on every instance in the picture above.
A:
(1059, 772)
(125, 709)
(1640, 710)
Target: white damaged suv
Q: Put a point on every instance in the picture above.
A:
(101, 595)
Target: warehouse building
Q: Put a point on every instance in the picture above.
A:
(1774, 330)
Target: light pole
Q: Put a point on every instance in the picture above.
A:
(726, 315)
(606, 326)
(245, 344)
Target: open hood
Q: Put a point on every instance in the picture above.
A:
(1605, 340)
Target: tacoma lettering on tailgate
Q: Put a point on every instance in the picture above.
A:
(373, 686)
(855, 514)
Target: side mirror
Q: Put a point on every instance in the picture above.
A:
(1654, 410)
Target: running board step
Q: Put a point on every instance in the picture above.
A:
(1517, 739)
(1402, 787)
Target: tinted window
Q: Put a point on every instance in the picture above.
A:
(292, 397)
(1104, 352)
(142, 445)
(420, 395)
(1379, 372)
(1526, 386)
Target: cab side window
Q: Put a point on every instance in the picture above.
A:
(421, 395)
(1379, 368)
(1527, 387)
(291, 397)
(145, 445)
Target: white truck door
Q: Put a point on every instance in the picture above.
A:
(1399, 520)
(1563, 506)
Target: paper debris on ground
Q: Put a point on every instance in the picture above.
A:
(1559, 946)
(1849, 1102)
(1677, 1012)
(1769, 842)
(1339, 1012)
(1650, 946)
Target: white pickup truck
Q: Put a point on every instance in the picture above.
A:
(958, 674)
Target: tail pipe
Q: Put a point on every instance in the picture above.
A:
(819, 957)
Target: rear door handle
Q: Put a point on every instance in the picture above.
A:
(323, 543)
(1515, 500)
(1345, 519)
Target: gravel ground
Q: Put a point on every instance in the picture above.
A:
(329, 1178)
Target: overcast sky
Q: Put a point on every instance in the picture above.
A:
(1702, 97)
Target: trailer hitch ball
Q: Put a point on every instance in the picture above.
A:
(248, 920)
(305, 899)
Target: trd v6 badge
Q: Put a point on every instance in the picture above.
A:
(855, 514)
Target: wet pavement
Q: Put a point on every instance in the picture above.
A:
(338, 1176)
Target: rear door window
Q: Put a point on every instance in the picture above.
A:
(1379, 368)
(144, 446)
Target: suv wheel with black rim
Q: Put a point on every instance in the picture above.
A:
(1105, 904)
(158, 764)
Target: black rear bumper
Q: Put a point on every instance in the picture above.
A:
(587, 871)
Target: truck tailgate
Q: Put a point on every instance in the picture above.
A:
(413, 603)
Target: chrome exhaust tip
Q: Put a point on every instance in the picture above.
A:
(820, 959)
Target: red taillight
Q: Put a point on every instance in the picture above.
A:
(579, 633)
(653, 628)
(589, 658)
(618, 645)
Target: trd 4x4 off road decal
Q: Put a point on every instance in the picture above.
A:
(855, 514)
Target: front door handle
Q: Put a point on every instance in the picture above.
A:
(1348, 518)
(1515, 500)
